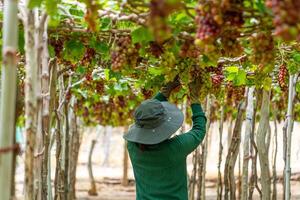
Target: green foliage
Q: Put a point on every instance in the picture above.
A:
(73, 50)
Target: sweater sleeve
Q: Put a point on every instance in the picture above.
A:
(160, 97)
(188, 142)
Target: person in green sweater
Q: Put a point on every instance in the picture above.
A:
(159, 160)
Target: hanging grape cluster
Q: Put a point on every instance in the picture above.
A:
(205, 81)
(124, 54)
(234, 94)
(217, 75)
(88, 56)
(233, 21)
(263, 49)
(189, 50)
(286, 18)
(208, 20)
(157, 21)
(156, 49)
(283, 77)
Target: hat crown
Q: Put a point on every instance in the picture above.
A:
(150, 114)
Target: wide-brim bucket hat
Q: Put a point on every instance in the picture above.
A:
(155, 121)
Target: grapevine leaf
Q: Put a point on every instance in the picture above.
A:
(51, 51)
(51, 6)
(267, 83)
(106, 74)
(296, 57)
(141, 35)
(34, 3)
(21, 42)
(240, 78)
(105, 24)
(232, 69)
(73, 50)
(156, 70)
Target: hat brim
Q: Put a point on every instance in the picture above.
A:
(174, 120)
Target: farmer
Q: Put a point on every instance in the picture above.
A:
(159, 160)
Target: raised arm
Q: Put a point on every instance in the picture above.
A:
(188, 142)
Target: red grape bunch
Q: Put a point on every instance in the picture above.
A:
(155, 49)
(283, 77)
(286, 18)
(234, 94)
(88, 56)
(209, 20)
(189, 50)
(124, 54)
(157, 21)
(217, 75)
(263, 49)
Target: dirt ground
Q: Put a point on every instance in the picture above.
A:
(108, 158)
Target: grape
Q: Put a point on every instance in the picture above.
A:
(157, 21)
(156, 49)
(205, 81)
(286, 18)
(88, 56)
(100, 86)
(58, 45)
(263, 49)
(209, 20)
(147, 93)
(124, 54)
(189, 50)
(234, 94)
(230, 44)
(283, 77)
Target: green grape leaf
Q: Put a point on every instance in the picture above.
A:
(156, 70)
(267, 83)
(141, 35)
(240, 78)
(105, 24)
(51, 6)
(34, 3)
(73, 50)
(296, 57)
(106, 74)
(51, 51)
(232, 69)
(21, 42)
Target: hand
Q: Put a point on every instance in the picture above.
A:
(194, 88)
(170, 86)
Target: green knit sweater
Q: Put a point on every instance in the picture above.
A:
(160, 171)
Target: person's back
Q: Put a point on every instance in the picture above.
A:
(159, 163)
(160, 171)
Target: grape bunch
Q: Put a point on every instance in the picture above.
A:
(234, 94)
(209, 20)
(125, 54)
(58, 45)
(189, 50)
(283, 77)
(147, 93)
(231, 47)
(205, 81)
(286, 18)
(99, 86)
(155, 49)
(157, 21)
(88, 56)
(263, 53)
(217, 75)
